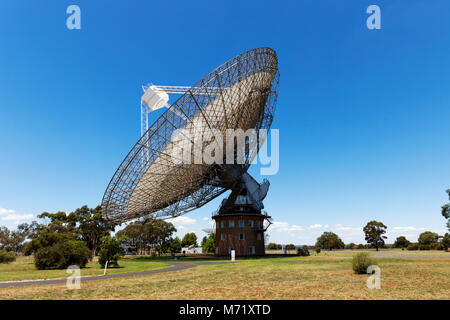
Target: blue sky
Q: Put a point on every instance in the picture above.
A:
(363, 114)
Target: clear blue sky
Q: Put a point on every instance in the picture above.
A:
(363, 114)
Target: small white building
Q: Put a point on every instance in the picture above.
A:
(191, 250)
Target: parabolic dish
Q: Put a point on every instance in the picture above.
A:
(240, 94)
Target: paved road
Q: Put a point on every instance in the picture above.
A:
(176, 266)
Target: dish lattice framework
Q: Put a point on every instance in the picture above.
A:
(240, 94)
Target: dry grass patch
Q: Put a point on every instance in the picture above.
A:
(285, 278)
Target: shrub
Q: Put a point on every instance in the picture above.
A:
(61, 255)
(110, 251)
(413, 246)
(7, 257)
(317, 249)
(303, 251)
(424, 247)
(435, 246)
(361, 262)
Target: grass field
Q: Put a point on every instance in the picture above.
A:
(23, 269)
(325, 276)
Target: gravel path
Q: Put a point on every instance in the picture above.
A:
(176, 267)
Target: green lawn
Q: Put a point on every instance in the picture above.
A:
(325, 276)
(23, 269)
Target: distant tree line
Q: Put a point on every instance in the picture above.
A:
(374, 235)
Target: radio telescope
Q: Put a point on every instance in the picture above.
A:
(151, 182)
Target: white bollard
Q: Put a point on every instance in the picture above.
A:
(106, 266)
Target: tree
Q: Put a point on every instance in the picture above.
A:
(163, 231)
(110, 251)
(45, 240)
(351, 246)
(91, 227)
(329, 241)
(273, 246)
(84, 224)
(428, 238)
(11, 240)
(149, 234)
(204, 239)
(175, 245)
(446, 210)
(134, 234)
(210, 244)
(189, 239)
(290, 246)
(445, 241)
(401, 242)
(33, 230)
(59, 222)
(374, 231)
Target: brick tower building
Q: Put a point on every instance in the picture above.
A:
(240, 219)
